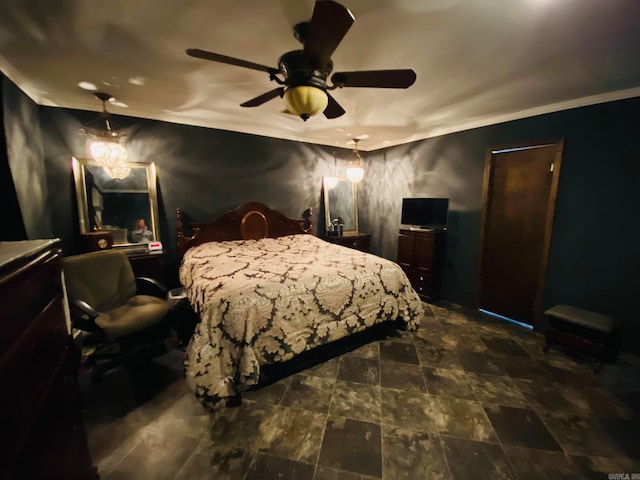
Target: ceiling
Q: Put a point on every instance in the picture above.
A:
(478, 62)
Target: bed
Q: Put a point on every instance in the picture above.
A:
(267, 290)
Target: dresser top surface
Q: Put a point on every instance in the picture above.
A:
(14, 251)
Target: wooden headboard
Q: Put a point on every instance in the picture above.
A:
(252, 220)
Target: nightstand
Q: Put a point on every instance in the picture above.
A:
(147, 264)
(361, 241)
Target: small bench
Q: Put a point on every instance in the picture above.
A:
(588, 332)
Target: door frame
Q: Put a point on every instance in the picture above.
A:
(487, 184)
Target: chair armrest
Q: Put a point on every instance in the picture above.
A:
(83, 316)
(150, 286)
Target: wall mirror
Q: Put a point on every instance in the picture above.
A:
(341, 202)
(118, 205)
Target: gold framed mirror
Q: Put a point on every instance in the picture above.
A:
(341, 203)
(127, 208)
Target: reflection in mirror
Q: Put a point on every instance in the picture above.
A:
(127, 208)
(340, 202)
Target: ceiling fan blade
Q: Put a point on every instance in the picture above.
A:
(329, 24)
(216, 57)
(333, 110)
(375, 78)
(265, 97)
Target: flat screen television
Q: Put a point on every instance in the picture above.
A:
(427, 213)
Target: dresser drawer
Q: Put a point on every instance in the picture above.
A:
(29, 292)
(28, 368)
(421, 254)
(58, 431)
(422, 282)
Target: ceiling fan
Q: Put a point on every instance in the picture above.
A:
(304, 73)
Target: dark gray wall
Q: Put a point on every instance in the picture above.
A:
(26, 159)
(203, 171)
(13, 223)
(593, 255)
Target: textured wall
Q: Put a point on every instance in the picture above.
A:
(26, 160)
(594, 255)
(437, 167)
(13, 223)
(203, 171)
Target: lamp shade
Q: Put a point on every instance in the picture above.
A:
(330, 182)
(355, 174)
(108, 153)
(305, 101)
(119, 171)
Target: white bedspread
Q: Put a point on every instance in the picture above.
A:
(266, 301)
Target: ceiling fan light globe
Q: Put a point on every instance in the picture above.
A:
(305, 101)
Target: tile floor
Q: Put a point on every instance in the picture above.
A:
(463, 397)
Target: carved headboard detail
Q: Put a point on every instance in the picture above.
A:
(252, 220)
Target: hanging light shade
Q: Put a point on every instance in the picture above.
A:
(330, 182)
(355, 174)
(108, 153)
(305, 101)
(105, 147)
(355, 171)
(118, 171)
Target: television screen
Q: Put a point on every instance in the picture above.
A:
(425, 212)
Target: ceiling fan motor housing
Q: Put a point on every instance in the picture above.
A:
(304, 86)
(299, 70)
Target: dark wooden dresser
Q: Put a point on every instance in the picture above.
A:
(361, 241)
(42, 434)
(421, 254)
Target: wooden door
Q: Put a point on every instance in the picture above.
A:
(520, 184)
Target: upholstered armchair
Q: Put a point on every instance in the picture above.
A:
(119, 318)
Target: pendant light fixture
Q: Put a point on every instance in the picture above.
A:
(355, 170)
(118, 172)
(105, 147)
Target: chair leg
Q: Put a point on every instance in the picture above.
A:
(99, 371)
(140, 353)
